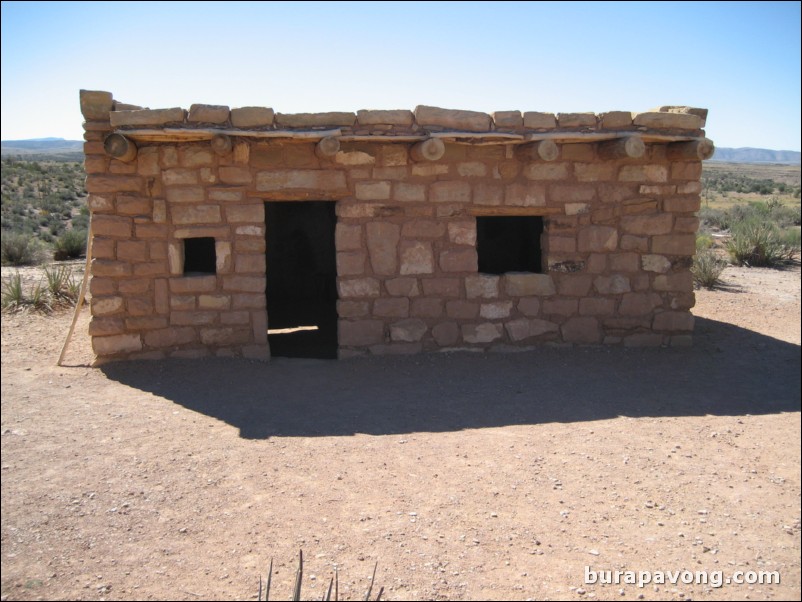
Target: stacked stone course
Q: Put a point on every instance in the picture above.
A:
(619, 234)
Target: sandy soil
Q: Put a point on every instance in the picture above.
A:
(466, 476)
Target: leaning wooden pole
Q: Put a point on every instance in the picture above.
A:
(79, 303)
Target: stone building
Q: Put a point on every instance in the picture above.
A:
(220, 231)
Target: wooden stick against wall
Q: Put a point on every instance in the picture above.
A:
(79, 303)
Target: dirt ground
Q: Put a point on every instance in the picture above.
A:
(466, 476)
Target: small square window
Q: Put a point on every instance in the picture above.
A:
(509, 243)
(200, 256)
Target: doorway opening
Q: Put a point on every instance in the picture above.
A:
(301, 279)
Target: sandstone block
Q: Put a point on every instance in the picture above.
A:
(574, 285)
(522, 284)
(200, 113)
(112, 226)
(225, 336)
(484, 286)
(546, 171)
(450, 192)
(245, 284)
(416, 257)
(396, 307)
(107, 267)
(691, 170)
(634, 243)
(129, 250)
(446, 334)
(576, 120)
(352, 309)
(441, 287)
(508, 119)
(473, 169)
(237, 214)
(673, 321)
(184, 194)
(97, 184)
(249, 264)
(301, 179)
(251, 117)
(105, 326)
(302, 120)
(423, 229)
(459, 260)
(481, 333)
(680, 121)
(539, 121)
(638, 304)
(426, 308)
(581, 330)
(402, 287)
(612, 285)
(524, 328)
(196, 214)
(352, 158)
(429, 169)
(488, 194)
(96, 104)
(350, 263)
(193, 156)
(235, 174)
(103, 306)
(462, 310)
(382, 239)
(248, 301)
(625, 262)
(616, 119)
(348, 237)
(496, 310)
(648, 224)
(412, 193)
(655, 263)
(401, 117)
(358, 287)
(597, 239)
(358, 333)
(643, 173)
(529, 306)
(146, 117)
(678, 281)
(372, 191)
(116, 344)
(561, 306)
(411, 330)
(468, 121)
(596, 306)
(525, 195)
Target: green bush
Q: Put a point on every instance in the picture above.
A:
(703, 241)
(70, 245)
(19, 249)
(755, 243)
(707, 268)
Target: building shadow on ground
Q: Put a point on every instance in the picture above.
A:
(729, 371)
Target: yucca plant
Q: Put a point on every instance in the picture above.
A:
(756, 244)
(60, 284)
(334, 585)
(13, 297)
(707, 268)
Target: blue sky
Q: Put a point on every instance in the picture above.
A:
(741, 60)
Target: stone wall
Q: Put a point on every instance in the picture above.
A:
(619, 225)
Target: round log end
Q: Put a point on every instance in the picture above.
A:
(547, 150)
(221, 144)
(328, 147)
(634, 148)
(705, 149)
(120, 147)
(430, 149)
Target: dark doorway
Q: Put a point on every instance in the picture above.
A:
(301, 279)
(509, 244)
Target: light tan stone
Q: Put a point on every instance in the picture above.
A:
(116, 344)
(299, 120)
(655, 263)
(416, 257)
(521, 284)
(681, 121)
(612, 285)
(401, 117)
(446, 334)
(459, 260)
(496, 310)
(372, 191)
(508, 119)
(200, 113)
(382, 240)
(238, 214)
(96, 104)
(525, 195)
(196, 214)
(597, 239)
(402, 287)
(539, 121)
(348, 237)
(450, 192)
(546, 171)
(484, 286)
(482, 333)
(469, 121)
(524, 328)
(350, 263)
(251, 117)
(410, 330)
(358, 287)
(300, 179)
(673, 321)
(674, 244)
(146, 117)
(576, 120)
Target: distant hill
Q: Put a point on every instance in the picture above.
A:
(44, 149)
(756, 155)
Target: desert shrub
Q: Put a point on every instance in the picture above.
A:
(703, 241)
(707, 268)
(13, 296)
(19, 249)
(755, 243)
(70, 245)
(714, 218)
(792, 239)
(61, 286)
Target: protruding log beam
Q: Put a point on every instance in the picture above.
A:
(431, 149)
(120, 147)
(544, 150)
(327, 147)
(629, 147)
(695, 150)
(221, 144)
